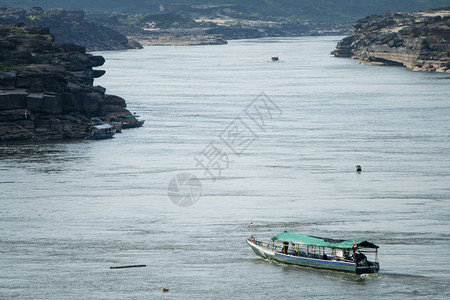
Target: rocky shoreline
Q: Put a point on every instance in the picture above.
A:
(46, 88)
(204, 26)
(178, 25)
(418, 41)
(69, 26)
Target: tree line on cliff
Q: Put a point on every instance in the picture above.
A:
(337, 10)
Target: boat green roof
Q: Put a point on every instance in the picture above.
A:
(320, 242)
(130, 116)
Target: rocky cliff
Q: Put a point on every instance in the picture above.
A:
(69, 26)
(419, 41)
(206, 25)
(46, 88)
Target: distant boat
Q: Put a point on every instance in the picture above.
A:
(316, 252)
(275, 58)
(131, 121)
(99, 132)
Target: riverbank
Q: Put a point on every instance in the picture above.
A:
(69, 26)
(418, 41)
(46, 88)
(183, 27)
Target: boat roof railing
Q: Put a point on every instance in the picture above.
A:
(321, 242)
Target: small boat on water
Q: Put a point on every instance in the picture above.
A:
(131, 121)
(316, 252)
(275, 58)
(102, 131)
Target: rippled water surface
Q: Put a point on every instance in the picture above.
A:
(70, 210)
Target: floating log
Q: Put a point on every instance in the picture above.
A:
(131, 266)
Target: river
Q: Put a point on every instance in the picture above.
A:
(69, 210)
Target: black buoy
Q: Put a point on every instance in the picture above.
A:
(358, 168)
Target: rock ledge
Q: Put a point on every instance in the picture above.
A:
(419, 41)
(46, 88)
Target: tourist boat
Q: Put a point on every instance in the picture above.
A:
(316, 252)
(103, 131)
(131, 121)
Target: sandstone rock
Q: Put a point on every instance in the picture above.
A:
(51, 104)
(70, 103)
(66, 126)
(91, 103)
(42, 126)
(14, 114)
(95, 61)
(49, 94)
(8, 80)
(34, 102)
(100, 89)
(16, 130)
(40, 82)
(12, 100)
(68, 26)
(98, 73)
(115, 100)
(414, 40)
(26, 124)
(133, 44)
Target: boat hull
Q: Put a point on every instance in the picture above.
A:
(268, 253)
(100, 136)
(126, 125)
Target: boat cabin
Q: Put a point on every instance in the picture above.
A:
(103, 131)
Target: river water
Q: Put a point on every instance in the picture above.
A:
(70, 210)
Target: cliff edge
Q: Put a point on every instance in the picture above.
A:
(46, 88)
(419, 41)
(69, 26)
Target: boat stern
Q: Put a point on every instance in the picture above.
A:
(373, 267)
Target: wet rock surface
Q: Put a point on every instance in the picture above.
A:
(46, 88)
(419, 41)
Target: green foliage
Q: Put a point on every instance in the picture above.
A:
(37, 17)
(41, 59)
(21, 32)
(323, 10)
(398, 21)
(17, 31)
(8, 67)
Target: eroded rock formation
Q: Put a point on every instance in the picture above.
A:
(46, 88)
(419, 41)
(69, 26)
